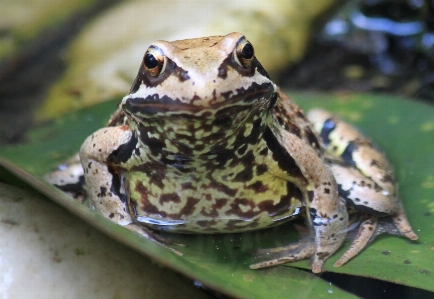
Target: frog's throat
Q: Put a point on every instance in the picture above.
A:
(180, 151)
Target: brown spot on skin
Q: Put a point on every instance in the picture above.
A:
(124, 128)
(172, 197)
(156, 180)
(206, 223)
(221, 187)
(263, 152)
(189, 207)
(245, 175)
(220, 203)
(271, 208)
(89, 165)
(147, 207)
(258, 187)
(326, 190)
(154, 171)
(236, 208)
(103, 191)
(322, 255)
(215, 208)
(155, 145)
(261, 169)
(187, 186)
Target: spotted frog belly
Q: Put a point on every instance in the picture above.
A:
(212, 204)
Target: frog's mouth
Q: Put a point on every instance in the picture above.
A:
(155, 105)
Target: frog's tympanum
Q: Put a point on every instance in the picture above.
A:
(206, 143)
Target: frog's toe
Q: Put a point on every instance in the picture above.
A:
(303, 249)
(366, 230)
(151, 235)
(371, 226)
(403, 226)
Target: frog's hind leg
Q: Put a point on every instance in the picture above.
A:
(300, 250)
(366, 197)
(365, 180)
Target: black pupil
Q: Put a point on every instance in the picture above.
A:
(247, 51)
(150, 61)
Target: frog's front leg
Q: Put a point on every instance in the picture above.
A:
(103, 156)
(327, 213)
(103, 184)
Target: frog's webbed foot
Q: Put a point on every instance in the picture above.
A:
(303, 249)
(371, 226)
(154, 236)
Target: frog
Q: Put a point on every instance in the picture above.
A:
(205, 142)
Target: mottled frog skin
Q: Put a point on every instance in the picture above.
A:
(206, 143)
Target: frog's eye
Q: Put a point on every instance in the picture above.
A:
(154, 61)
(244, 53)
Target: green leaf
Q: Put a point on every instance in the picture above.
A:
(403, 128)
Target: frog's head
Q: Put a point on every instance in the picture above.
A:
(200, 92)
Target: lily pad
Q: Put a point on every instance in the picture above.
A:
(403, 128)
